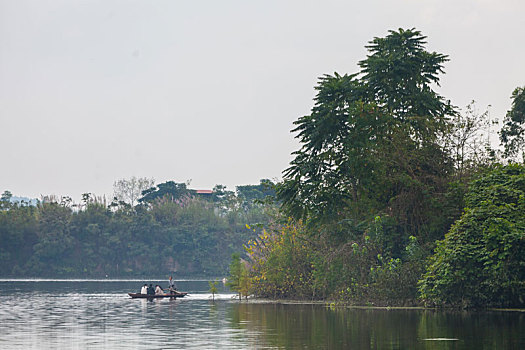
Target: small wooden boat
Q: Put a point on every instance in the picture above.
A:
(154, 296)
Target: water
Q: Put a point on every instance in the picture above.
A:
(99, 315)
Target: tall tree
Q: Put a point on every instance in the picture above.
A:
(337, 154)
(398, 74)
(372, 141)
(512, 134)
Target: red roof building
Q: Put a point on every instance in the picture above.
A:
(204, 192)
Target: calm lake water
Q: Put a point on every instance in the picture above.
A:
(79, 314)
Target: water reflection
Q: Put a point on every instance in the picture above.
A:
(100, 315)
(294, 326)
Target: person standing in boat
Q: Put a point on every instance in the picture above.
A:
(172, 287)
(144, 289)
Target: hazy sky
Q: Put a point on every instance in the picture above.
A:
(95, 91)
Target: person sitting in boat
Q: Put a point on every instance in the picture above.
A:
(172, 287)
(144, 289)
(151, 290)
(159, 290)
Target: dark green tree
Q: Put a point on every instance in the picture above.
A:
(5, 200)
(252, 195)
(398, 75)
(254, 192)
(170, 189)
(512, 134)
(372, 144)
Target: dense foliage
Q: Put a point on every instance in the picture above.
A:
(372, 173)
(173, 230)
(481, 261)
(382, 174)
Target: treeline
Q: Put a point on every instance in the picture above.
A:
(169, 229)
(396, 196)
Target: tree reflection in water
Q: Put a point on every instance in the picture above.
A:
(299, 326)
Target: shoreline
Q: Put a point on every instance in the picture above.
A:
(334, 305)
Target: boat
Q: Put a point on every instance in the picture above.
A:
(155, 296)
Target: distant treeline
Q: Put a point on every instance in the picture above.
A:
(168, 229)
(396, 197)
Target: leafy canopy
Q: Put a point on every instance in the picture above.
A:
(398, 73)
(371, 142)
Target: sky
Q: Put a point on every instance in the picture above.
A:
(207, 91)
